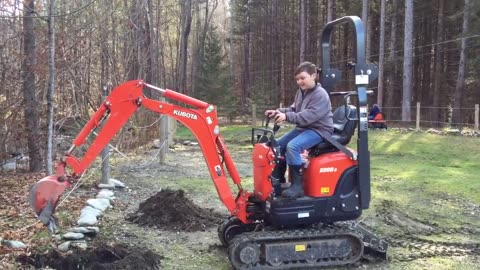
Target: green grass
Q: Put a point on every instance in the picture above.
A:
(427, 164)
(423, 162)
(430, 176)
(234, 133)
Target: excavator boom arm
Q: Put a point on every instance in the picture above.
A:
(112, 115)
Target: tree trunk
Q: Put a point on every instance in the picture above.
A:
(407, 61)
(28, 77)
(392, 63)
(161, 48)
(366, 23)
(186, 19)
(439, 56)
(195, 48)
(51, 87)
(381, 52)
(457, 115)
(246, 60)
(330, 5)
(302, 30)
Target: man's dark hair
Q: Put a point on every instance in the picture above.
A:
(307, 67)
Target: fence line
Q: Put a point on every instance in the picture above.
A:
(422, 115)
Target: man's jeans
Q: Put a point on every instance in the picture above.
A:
(295, 142)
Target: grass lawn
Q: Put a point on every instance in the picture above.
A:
(421, 179)
(426, 174)
(422, 162)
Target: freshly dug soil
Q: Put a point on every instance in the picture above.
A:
(100, 258)
(171, 210)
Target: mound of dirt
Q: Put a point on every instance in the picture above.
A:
(100, 258)
(171, 210)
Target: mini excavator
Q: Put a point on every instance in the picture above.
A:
(264, 231)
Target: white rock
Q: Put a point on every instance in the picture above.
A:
(106, 192)
(93, 229)
(117, 183)
(79, 244)
(157, 144)
(73, 236)
(107, 186)
(87, 220)
(14, 244)
(100, 204)
(9, 165)
(85, 230)
(106, 197)
(64, 246)
(88, 210)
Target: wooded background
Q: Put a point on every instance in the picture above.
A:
(59, 58)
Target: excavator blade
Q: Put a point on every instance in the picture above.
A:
(43, 199)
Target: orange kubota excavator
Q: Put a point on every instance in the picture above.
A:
(264, 231)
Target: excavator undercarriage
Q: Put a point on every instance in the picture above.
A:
(313, 246)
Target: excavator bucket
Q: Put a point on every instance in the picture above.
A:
(43, 199)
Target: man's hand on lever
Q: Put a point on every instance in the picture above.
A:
(280, 117)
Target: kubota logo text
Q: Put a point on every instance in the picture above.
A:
(328, 169)
(185, 114)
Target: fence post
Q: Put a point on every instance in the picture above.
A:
(477, 112)
(418, 115)
(105, 177)
(163, 137)
(254, 115)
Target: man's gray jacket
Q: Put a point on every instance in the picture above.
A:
(311, 109)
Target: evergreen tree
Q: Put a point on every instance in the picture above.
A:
(213, 82)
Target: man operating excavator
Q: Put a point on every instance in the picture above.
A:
(311, 112)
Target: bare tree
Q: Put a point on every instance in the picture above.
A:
(457, 115)
(29, 96)
(51, 86)
(330, 6)
(366, 21)
(246, 59)
(186, 22)
(302, 30)
(381, 57)
(407, 61)
(439, 58)
(392, 61)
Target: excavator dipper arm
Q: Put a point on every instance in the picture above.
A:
(112, 115)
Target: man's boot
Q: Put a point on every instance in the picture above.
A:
(278, 176)
(296, 189)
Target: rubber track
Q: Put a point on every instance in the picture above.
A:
(257, 238)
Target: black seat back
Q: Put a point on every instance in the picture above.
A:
(344, 127)
(344, 123)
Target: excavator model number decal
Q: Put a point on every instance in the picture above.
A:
(328, 169)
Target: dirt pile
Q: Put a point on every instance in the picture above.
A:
(171, 210)
(100, 258)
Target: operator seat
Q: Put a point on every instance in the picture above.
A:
(344, 127)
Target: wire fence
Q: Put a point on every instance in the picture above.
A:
(421, 117)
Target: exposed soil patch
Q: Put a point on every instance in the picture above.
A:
(171, 210)
(100, 258)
